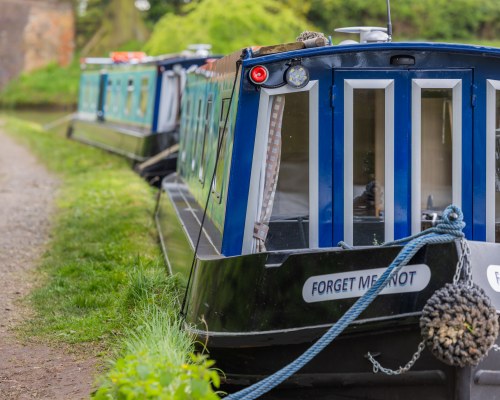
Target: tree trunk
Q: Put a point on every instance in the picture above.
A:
(121, 23)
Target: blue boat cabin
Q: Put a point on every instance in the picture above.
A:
(362, 143)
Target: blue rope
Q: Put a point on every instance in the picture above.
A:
(447, 230)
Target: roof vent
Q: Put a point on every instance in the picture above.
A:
(201, 49)
(367, 34)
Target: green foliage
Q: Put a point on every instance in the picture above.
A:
(161, 7)
(155, 366)
(89, 21)
(228, 25)
(119, 24)
(140, 376)
(50, 86)
(431, 19)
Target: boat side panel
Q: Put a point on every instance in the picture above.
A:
(211, 83)
(123, 140)
(177, 249)
(89, 93)
(123, 105)
(157, 98)
(271, 298)
(243, 148)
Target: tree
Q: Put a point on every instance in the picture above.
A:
(120, 24)
(228, 25)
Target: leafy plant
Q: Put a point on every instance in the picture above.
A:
(140, 376)
(228, 25)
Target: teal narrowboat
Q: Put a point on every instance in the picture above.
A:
(130, 104)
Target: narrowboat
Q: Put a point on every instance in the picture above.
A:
(288, 150)
(130, 104)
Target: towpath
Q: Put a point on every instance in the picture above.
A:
(29, 370)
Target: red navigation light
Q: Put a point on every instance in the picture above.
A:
(259, 74)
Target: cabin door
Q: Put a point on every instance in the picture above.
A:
(399, 141)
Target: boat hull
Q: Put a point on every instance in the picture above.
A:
(256, 313)
(342, 371)
(133, 143)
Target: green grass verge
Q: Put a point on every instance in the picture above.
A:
(51, 86)
(103, 278)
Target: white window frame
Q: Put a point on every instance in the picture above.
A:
(259, 154)
(349, 86)
(416, 144)
(169, 101)
(492, 87)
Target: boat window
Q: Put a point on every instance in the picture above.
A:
(169, 102)
(144, 96)
(204, 144)
(187, 119)
(172, 90)
(283, 213)
(497, 166)
(86, 97)
(109, 96)
(130, 96)
(93, 98)
(436, 153)
(197, 134)
(116, 96)
(368, 166)
(221, 144)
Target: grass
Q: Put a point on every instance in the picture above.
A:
(51, 86)
(103, 279)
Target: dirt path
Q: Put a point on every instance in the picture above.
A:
(29, 371)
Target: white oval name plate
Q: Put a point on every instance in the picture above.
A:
(346, 285)
(493, 274)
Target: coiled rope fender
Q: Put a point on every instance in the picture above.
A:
(459, 325)
(447, 230)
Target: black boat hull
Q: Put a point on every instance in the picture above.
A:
(255, 314)
(342, 371)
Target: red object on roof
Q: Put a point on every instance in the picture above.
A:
(127, 56)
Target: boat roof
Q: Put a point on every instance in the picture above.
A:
(165, 59)
(252, 55)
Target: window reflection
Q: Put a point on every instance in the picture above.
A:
(497, 167)
(289, 220)
(368, 165)
(436, 153)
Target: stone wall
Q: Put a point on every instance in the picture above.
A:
(34, 33)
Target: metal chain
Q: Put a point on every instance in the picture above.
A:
(401, 370)
(464, 264)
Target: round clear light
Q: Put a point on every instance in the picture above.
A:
(297, 76)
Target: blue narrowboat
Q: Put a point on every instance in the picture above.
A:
(130, 104)
(296, 162)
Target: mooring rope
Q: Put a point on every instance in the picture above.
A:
(447, 230)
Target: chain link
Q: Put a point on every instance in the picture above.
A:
(464, 264)
(401, 370)
(463, 267)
